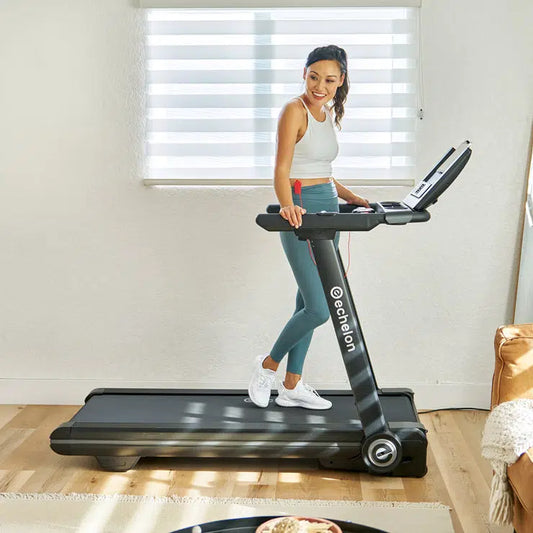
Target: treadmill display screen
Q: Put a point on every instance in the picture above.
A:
(439, 179)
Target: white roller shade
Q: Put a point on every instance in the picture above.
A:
(217, 80)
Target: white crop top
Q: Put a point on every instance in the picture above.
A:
(315, 151)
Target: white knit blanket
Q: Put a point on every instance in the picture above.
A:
(508, 434)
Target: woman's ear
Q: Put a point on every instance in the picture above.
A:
(342, 80)
(305, 73)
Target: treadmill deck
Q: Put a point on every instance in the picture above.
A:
(118, 426)
(226, 410)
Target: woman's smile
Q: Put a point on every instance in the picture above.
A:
(319, 96)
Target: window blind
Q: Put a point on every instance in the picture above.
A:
(218, 78)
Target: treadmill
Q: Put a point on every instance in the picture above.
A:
(368, 429)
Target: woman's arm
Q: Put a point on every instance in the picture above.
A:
(349, 196)
(288, 126)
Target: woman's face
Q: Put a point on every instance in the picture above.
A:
(322, 80)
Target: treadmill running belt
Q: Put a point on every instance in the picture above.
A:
(221, 411)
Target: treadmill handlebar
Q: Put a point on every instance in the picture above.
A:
(345, 220)
(343, 208)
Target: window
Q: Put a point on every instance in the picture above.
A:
(217, 79)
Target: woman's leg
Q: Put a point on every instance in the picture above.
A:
(311, 308)
(311, 304)
(297, 353)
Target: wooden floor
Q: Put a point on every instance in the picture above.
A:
(458, 476)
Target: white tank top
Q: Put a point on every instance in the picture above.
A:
(315, 151)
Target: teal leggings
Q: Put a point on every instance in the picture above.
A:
(311, 306)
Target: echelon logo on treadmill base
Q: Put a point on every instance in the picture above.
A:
(248, 400)
(343, 318)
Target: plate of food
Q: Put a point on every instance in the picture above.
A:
(298, 524)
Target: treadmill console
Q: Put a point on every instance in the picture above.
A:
(439, 179)
(427, 191)
(393, 207)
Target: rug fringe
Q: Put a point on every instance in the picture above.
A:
(73, 496)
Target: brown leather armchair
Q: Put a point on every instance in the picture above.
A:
(513, 379)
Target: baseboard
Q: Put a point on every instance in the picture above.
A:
(74, 391)
(451, 395)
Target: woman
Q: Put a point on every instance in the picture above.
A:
(306, 147)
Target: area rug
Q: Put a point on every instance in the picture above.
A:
(89, 513)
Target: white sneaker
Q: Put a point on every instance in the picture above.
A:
(302, 395)
(261, 383)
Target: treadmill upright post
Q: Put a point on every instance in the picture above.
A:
(349, 336)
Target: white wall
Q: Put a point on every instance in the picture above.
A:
(105, 282)
(524, 290)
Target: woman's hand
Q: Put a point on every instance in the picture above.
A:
(292, 214)
(357, 200)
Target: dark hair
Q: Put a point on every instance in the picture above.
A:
(335, 53)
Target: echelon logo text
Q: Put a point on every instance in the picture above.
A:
(343, 317)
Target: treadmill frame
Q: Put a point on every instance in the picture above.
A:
(118, 447)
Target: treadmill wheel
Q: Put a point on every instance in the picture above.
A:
(117, 463)
(382, 453)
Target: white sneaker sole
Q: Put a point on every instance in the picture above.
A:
(282, 402)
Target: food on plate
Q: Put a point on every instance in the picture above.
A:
(292, 524)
